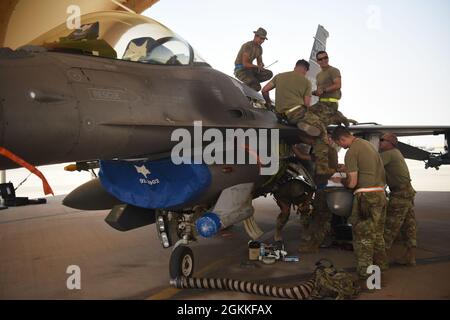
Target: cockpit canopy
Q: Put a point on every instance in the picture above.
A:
(121, 35)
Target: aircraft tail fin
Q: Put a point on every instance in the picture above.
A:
(320, 44)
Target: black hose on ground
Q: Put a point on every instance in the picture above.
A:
(300, 292)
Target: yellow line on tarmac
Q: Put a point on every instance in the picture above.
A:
(164, 294)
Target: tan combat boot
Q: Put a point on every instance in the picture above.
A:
(277, 235)
(409, 258)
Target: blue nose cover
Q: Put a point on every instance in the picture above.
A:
(154, 184)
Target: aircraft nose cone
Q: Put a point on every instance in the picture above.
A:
(90, 196)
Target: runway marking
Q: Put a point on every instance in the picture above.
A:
(164, 294)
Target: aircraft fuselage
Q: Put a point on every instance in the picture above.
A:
(60, 107)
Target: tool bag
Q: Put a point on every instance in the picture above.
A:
(331, 283)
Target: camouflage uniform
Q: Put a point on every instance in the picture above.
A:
(251, 76)
(290, 193)
(291, 89)
(367, 220)
(369, 207)
(287, 191)
(321, 115)
(400, 218)
(320, 225)
(287, 194)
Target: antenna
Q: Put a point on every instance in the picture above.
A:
(271, 64)
(123, 6)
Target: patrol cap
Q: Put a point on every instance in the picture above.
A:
(390, 137)
(261, 33)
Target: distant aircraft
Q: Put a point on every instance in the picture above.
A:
(111, 94)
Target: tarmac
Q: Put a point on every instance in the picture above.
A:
(39, 242)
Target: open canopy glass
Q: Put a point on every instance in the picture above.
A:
(121, 35)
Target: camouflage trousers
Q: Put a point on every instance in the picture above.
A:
(320, 225)
(320, 115)
(400, 219)
(290, 193)
(367, 219)
(282, 219)
(253, 77)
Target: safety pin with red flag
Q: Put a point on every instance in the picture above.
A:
(11, 156)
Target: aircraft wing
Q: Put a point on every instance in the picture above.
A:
(372, 131)
(373, 128)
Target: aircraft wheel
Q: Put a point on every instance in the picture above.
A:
(181, 262)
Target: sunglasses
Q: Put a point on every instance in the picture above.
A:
(383, 140)
(323, 58)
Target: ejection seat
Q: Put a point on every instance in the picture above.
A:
(148, 50)
(138, 49)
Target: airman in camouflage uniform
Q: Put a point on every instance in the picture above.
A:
(400, 217)
(365, 174)
(293, 93)
(324, 112)
(292, 98)
(292, 193)
(252, 75)
(320, 225)
(287, 192)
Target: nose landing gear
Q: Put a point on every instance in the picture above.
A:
(177, 230)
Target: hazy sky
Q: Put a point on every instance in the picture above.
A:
(393, 55)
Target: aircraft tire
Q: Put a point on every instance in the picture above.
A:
(181, 262)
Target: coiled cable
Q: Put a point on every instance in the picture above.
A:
(300, 292)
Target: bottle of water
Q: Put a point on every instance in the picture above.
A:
(262, 250)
